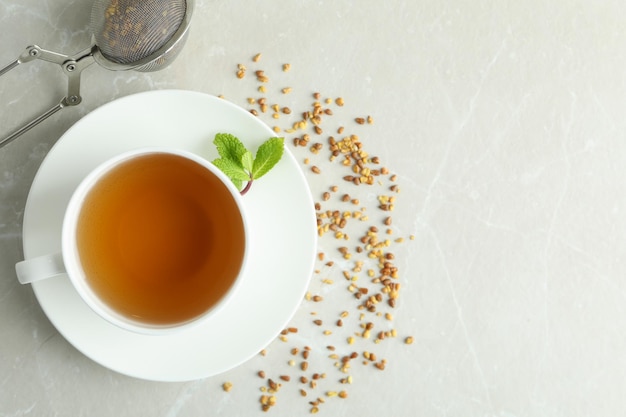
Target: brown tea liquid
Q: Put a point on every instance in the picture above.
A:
(160, 239)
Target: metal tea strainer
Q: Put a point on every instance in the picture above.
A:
(142, 35)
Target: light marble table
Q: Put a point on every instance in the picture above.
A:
(503, 121)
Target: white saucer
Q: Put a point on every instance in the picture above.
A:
(282, 223)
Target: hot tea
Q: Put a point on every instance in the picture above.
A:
(160, 238)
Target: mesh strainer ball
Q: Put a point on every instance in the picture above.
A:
(143, 35)
(140, 35)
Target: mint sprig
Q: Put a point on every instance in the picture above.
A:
(238, 164)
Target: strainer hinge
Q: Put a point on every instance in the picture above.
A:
(71, 65)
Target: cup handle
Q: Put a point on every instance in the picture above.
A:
(41, 267)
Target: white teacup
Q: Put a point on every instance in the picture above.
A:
(153, 240)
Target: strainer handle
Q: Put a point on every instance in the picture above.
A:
(72, 66)
(32, 123)
(28, 55)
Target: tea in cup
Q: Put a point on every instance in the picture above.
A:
(153, 240)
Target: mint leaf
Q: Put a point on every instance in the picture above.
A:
(247, 161)
(268, 155)
(237, 163)
(230, 148)
(232, 170)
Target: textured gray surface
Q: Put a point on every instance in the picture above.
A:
(503, 122)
